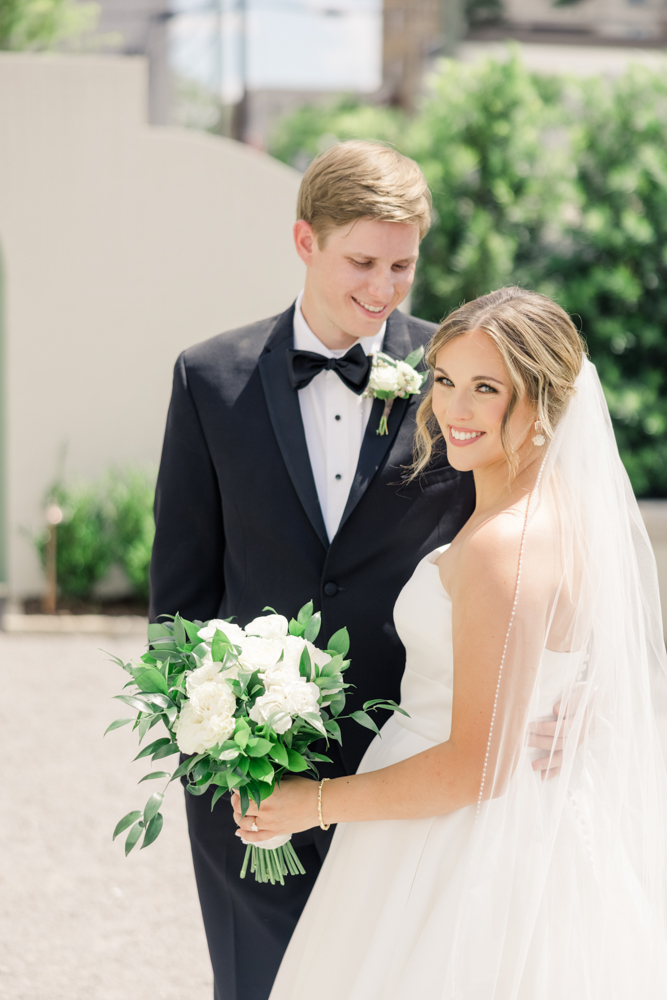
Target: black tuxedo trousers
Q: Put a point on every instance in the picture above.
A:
(239, 527)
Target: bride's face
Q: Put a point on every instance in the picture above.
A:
(471, 393)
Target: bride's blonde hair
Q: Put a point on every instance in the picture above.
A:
(540, 346)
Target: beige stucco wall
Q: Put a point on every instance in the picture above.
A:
(122, 244)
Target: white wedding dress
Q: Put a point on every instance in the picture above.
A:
(381, 921)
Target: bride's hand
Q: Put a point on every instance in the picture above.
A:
(292, 807)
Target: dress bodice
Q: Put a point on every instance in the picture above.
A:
(423, 620)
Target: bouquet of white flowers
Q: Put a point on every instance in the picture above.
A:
(246, 703)
(391, 378)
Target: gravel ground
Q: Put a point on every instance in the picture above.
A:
(79, 921)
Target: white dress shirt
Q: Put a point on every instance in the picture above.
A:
(334, 419)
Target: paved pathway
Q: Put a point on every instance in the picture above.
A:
(79, 921)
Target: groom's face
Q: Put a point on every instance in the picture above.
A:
(356, 276)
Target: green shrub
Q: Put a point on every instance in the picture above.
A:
(131, 494)
(85, 548)
(110, 521)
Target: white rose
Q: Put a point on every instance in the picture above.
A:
(268, 627)
(386, 378)
(272, 703)
(234, 633)
(318, 656)
(259, 654)
(209, 671)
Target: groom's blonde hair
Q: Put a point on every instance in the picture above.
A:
(363, 180)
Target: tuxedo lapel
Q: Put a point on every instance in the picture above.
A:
(375, 446)
(285, 413)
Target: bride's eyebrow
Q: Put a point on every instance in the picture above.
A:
(485, 378)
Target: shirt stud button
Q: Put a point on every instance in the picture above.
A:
(337, 417)
(338, 475)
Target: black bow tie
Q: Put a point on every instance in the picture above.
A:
(353, 369)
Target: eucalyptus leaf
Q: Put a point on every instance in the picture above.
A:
(133, 837)
(117, 724)
(365, 720)
(152, 806)
(134, 701)
(165, 751)
(126, 821)
(152, 747)
(153, 830)
(154, 774)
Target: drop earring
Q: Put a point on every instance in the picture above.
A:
(538, 438)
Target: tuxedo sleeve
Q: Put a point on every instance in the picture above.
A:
(186, 574)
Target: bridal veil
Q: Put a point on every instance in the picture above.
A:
(565, 884)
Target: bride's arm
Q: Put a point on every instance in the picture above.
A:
(445, 777)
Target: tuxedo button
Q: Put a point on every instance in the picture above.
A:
(331, 589)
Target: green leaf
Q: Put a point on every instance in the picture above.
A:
(332, 727)
(158, 631)
(337, 704)
(313, 627)
(320, 756)
(180, 637)
(151, 680)
(192, 630)
(133, 837)
(154, 774)
(279, 754)
(219, 646)
(305, 666)
(305, 613)
(414, 357)
(152, 806)
(296, 762)
(186, 766)
(126, 821)
(260, 769)
(216, 795)
(117, 724)
(365, 720)
(165, 751)
(153, 830)
(245, 801)
(242, 734)
(258, 747)
(134, 701)
(295, 628)
(339, 642)
(152, 747)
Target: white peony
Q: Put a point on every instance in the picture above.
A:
(318, 656)
(268, 627)
(302, 698)
(260, 654)
(206, 719)
(209, 671)
(234, 633)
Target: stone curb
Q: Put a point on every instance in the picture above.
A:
(75, 624)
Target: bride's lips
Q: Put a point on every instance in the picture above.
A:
(464, 430)
(369, 312)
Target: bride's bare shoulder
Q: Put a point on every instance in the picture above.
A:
(489, 556)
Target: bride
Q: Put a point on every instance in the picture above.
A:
(456, 871)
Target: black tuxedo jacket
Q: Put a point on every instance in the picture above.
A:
(238, 522)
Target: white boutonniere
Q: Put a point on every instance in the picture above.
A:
(390, 378)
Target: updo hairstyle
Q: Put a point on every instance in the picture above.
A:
(540, 346)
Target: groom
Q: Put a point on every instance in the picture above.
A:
(275, 488)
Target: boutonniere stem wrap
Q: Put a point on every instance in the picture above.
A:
(390, 379)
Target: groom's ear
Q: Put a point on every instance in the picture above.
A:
(305, 241)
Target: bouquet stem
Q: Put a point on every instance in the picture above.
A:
(272, 865)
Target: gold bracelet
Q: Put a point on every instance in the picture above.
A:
(323, 825)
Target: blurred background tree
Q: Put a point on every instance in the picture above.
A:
(551, 184)
(45, 24)
(130, 494)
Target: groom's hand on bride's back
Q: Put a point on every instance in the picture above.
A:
(551, 736)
